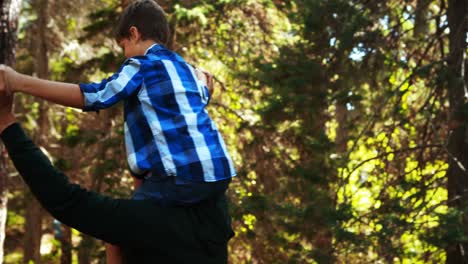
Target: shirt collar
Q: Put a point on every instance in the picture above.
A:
(154, 47)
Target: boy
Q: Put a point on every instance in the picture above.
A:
(172, 144)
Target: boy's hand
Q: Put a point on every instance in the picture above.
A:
(9, 79)
(206, 78)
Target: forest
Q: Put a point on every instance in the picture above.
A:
(347, 122)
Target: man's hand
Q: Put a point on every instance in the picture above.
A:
(7, 116)
(206, 78)
(9, 79)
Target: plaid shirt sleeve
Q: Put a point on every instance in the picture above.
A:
(119, 86)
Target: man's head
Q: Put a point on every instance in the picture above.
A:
(142, 20)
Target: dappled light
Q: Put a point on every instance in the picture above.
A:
(346, 122)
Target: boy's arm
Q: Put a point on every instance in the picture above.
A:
(89, 97)
(118, 87)
(66, 94)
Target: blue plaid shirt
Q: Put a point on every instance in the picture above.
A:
(168, 131)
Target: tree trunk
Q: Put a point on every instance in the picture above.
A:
(34, 215)
(3, 203)
(421, 23)
(321, 195)
(65, 241)
(341, 141)
(457, 145)
(86, 247)
(88, 244)
(9, 11)
(65, 237)
(33, 230)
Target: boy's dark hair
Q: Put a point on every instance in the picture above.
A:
(148, 17)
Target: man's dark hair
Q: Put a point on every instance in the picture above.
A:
(148, 17)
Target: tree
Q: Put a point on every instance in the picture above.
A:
(9, 13)
(335, 113)
(458, 138)
(34, 211)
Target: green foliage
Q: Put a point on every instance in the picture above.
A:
(334, 113)
(448, 231)
(102, 20)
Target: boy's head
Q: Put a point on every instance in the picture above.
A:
(149, 20)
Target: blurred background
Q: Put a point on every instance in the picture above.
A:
(346, 121)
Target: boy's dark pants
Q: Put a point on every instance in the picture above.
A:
(172, 191)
